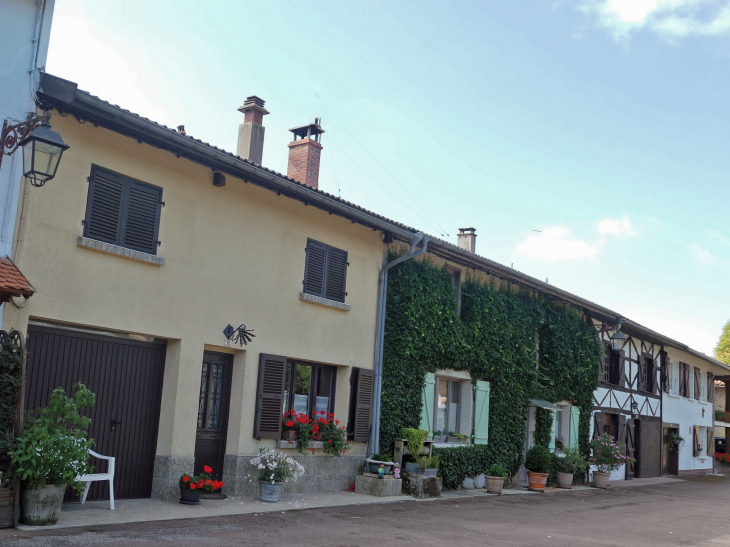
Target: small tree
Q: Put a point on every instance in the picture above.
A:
(722, 350)
(53, 448)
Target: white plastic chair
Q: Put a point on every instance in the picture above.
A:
(108, 476)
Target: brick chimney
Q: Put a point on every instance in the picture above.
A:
(304, 154)
(251, 131)
(467, 239)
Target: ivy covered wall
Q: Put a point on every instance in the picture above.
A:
(495, 339)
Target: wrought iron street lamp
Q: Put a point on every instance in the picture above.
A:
(42, 147)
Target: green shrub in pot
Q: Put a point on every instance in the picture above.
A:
(537, 459)
(496, 470)
(573, 462)
(52, 451)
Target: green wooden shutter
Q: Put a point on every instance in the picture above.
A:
(429, 391)
(574, 423)
(551, 446)
(481, 413)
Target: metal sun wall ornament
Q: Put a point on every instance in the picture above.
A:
(240, 335)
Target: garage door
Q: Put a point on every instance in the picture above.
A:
(126, 376)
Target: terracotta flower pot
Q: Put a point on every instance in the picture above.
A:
(495, 485)
(600, 479)
(290, 435)
(317, 437)
(537, 481)
(565, 480)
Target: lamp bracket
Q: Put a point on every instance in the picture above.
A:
(13, 134)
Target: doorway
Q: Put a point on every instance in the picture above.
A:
(213, 404)
(670, 455)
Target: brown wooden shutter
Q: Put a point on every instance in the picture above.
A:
(642, 373)
(695, 440)
(597, 424)
(664, 357)
(336, 274)
(710, 387)
(710, 451)
(363, 404)
(623, 379)
(104, 206)
(622, 429)
(270, 397)
(314, 269)
(698, 384)
(630, 447)
(604, 363)
(140, 220)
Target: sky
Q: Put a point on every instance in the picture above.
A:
(585, 140)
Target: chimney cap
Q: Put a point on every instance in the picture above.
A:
(467, 230)
(254, 103)
(309, 130)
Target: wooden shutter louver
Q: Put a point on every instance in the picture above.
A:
(270, 396)
(140, 222)
(597, 424)
(603, 374)
(710, 449)
(104, 206)
(696, 441)
(363, 405)
(698, 384)
(642, 373)
(623, 379)
(665, 371)
(710, 387)
(336, 274)
(314, 270)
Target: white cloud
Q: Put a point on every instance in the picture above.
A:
(617, 227)
(669, 18)
(556, 244)
(701, 255)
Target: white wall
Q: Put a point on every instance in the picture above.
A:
(21, 22)
(686, 411)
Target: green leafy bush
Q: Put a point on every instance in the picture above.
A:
(538, 459)
(11, 365)
(53, 448)
(415, 439)
(573, 462)
(496, 470)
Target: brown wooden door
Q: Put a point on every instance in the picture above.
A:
(126, 376)
(213, 404)
(670, 458)
(649, 449)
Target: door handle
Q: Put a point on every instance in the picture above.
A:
(114, 424)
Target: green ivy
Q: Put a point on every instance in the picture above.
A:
(495, 339)
(543, 427)
(11, 365)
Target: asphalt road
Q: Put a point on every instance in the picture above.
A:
(691, 512)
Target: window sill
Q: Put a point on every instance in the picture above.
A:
(294, 444)
(304, 297)
(703, 458)
(450, 445)
(674, 395)
(704, 402)
(110, 248)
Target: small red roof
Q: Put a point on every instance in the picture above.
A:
(12, 281)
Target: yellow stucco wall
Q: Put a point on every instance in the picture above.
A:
(232, 255)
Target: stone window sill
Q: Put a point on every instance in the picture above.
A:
(293, 444)
(675, 395)
(702, 458)
(704, 402)
(110, 248)
(304, 297)
(449, 445)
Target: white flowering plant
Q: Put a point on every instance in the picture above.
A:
(276, 466)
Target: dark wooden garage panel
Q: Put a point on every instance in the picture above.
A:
(126, 376)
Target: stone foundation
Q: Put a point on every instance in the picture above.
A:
(166, 476)
(706, 471)
(373, 486)
(322, 474)
(421, 487)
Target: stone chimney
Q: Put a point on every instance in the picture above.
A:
(467, 239)
(251, 131)
(304, 154)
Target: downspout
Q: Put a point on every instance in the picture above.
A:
(374, 441)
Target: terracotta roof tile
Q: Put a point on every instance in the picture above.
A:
(12, 281)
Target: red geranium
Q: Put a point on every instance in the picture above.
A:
(289, 424)
(201, 482)
(207, 469)
(185, 478)
(192, 486)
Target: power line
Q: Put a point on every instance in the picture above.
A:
(385, 187)
(375, 159)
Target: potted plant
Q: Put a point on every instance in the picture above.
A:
(537, 463)
(496, 475)
(191, 487)
(52, 451)
(454, 437)
(559, 444)
(374, 463)
(275, 468)
(573, 463)
(332, 434)
(608, 455)
(298, 427)
(439, 437)
(428, 467)
(674, 440)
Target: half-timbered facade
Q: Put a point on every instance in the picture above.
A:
(628, 403)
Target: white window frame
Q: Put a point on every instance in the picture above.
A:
(465, 409)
